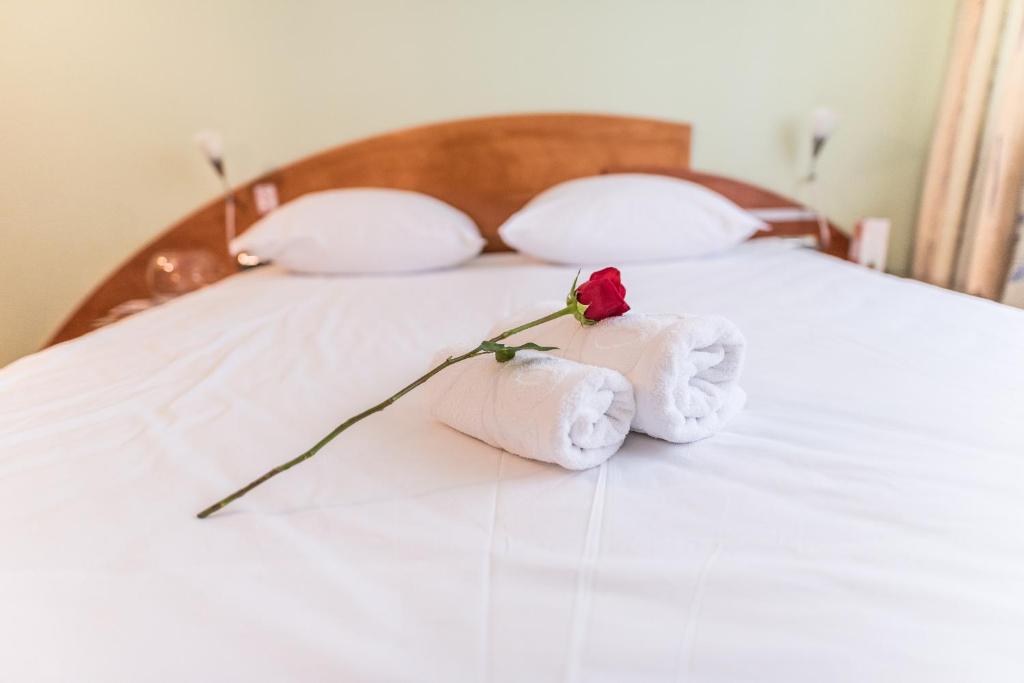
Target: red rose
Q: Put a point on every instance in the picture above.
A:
(603, 295)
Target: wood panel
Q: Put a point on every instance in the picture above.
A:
(488, 167)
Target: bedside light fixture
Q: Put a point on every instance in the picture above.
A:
(211, 143)
(823, 124)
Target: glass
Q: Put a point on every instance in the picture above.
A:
(175, 272)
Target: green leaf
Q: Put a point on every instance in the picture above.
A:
(504, 354)
(571, 299)
(491, 347)
(579, 312)
(530, 346)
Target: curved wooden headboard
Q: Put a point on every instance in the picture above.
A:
(487, 167)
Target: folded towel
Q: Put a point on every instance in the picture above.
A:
(684, 369)
(537, 406)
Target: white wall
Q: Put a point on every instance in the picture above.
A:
(100, 100)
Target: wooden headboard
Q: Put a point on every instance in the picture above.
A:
(487, 167)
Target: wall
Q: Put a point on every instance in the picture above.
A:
(99, 100)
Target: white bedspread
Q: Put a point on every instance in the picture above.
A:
(861, 520)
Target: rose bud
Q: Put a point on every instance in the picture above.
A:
(600, 297)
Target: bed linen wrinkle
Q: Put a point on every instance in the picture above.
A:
(486, 645)
(865, 508)
(12, 468)
(587, 567)
(684, 665)
(129, 381)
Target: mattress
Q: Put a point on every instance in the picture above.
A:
(861, 519)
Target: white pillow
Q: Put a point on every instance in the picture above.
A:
(624, 217)
(362, 230)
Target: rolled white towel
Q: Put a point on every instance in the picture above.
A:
(684, 369)
(537, 406)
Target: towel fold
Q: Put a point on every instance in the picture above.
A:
(684, 369)
(537, 406)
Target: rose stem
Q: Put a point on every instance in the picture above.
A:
(370, 411)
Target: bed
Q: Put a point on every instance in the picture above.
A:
(861, 519)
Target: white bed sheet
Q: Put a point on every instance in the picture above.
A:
(862, 519)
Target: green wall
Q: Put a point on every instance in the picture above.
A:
(100, 101)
